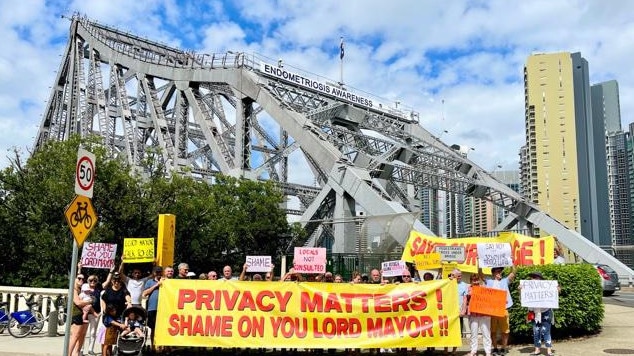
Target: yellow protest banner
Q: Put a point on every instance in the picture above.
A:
(307, 315)
(427, 261)
(487, 301)
(526, 250)
(137, 250)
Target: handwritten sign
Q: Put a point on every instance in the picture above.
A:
(393, 268)
(487, 301)
(427, 261)
(447, 269)
(98, 255)
(310, 260)
(258, 263)
(494, 255)
(539, 293)
(136, 250)
(451, 253)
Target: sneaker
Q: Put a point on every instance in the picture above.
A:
(495, 352)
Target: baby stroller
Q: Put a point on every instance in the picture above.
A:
(131, 344)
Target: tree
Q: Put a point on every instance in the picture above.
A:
(216, 224)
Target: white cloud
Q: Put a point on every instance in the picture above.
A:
(467, 54)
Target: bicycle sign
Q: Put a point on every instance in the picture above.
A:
(81, 217)
(84, 173)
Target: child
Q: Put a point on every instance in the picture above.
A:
(86, 296)
(133, 326)
(113, 324)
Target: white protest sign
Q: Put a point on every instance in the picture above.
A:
(494, 255)
(393, 268)
(310, 260)
(537, 293)
(451, 253)
(98, 255)
(258, 263)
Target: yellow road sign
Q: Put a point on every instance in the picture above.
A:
(81, 217)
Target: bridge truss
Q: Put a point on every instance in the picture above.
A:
(247, 116)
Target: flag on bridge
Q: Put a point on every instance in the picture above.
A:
(341, 50)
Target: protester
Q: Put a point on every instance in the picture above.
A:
(113, 324)
(542, 320)
(95, 289)
(212, 275)
(133, 325)
(134, 284)
(338, 278)
(375, 277)
(477, 321)
(500, 324)
(463, 289)
(78, 328)
(117, 294)
(151, 292)
(203, 276)
(88, 310)
(227, 273)
(168, 272)
(558, 259)
(183, 270)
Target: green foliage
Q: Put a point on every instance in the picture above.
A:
(581, 308)
(216, 224)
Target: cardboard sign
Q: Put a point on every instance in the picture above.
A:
(451, 253)
(137, 250)
(494, 255)
(427, 261)
(98, 255)
(310, 260)
(487, 301)
(393, 268)
(539, 293)
(258, 263)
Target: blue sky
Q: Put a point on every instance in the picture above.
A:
(458, 63)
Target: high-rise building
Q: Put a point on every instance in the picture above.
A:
(565, 161)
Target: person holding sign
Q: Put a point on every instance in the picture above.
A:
(542, 320)
(500, 323)
(477, 321)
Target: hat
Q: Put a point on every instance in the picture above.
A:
(537, 275)
(116, 275)
(158, 269)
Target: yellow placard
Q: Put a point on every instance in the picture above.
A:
(165, 240)
(427, 261)
(307, 315)
(447, 269)
(137, 250)
(525, 250)
(487, 301)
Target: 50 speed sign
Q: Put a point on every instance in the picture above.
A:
(84, 173)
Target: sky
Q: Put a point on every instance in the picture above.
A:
(458, 63)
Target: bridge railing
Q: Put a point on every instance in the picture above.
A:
(11, 295)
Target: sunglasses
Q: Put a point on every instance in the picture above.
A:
(407, 276)
(80, 278)
(92, 280)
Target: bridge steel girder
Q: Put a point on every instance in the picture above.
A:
(367, 156)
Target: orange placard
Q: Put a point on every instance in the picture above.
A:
(487, 301)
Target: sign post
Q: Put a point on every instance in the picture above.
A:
(81, 218)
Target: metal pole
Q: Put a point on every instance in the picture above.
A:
(69, 304)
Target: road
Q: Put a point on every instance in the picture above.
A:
(623, 297)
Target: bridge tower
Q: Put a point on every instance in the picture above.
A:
(246, 115)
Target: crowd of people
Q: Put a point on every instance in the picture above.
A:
(98, 308)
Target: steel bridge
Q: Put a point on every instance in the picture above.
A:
(248, 116)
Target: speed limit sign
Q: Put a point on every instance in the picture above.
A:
(84, 173)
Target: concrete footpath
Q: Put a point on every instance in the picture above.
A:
(617, 338)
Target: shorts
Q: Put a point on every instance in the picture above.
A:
(77, 319)
(151, 319)
(501, 324)
(110, 338)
